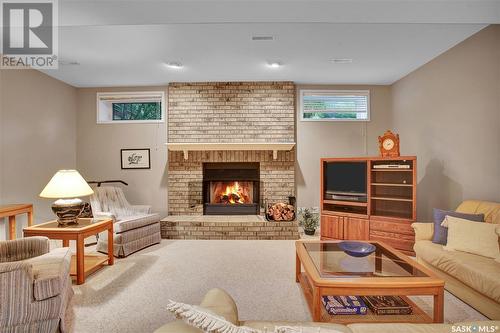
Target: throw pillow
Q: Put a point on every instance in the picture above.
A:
(440, 232)
(472, 237)
(206, 320)
(301, 329)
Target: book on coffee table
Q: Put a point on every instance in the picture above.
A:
(344, 305)
(388, 305)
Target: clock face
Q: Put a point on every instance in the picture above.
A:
(388, 144)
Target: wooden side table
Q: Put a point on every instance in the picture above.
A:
(11, 211)
(84, 264)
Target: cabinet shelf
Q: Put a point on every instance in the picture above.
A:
(393, 198)
(346, 203)
(392, 170)
(392, 184)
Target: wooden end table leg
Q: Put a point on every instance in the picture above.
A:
(439, 307)
(65, 242)
(12, 227)
(80, 260)
(297, 267)
(30, 218)
(316, 304)
(111, 257)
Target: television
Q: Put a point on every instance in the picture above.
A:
(345, 180)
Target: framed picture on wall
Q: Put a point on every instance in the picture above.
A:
(135, 158)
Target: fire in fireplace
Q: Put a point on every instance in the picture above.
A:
(231, 192)
(231, 188)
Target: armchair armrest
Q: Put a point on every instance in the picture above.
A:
(9, 267)
(104, 215)
(24, 248)
(423, 231)
(142, 209)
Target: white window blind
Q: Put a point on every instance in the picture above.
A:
(335, 105)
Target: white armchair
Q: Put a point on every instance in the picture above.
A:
(135, 227)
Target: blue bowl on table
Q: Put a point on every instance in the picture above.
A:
(357, 249)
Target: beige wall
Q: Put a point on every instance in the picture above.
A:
(37, 130)
(448, 114)
(99, 147)
(317, 139)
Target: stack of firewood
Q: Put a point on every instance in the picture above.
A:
(281, 212)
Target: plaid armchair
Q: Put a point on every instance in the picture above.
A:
(35, 286)
(135, 227)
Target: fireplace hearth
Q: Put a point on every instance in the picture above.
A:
(231, 188)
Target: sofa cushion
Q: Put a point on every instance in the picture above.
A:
(205, 319)
(125, 223)
(50, 272)
(271, 325)
(491, 210)
(303, 329)
(478, 272)
(440, 232)
(177, 326)
(472, 237)
(399, 328)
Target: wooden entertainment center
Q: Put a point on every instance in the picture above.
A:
(388, 211)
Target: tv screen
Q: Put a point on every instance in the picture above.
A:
(345, 178)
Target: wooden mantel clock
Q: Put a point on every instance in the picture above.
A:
(389, 144)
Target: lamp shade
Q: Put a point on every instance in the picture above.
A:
(66, 184)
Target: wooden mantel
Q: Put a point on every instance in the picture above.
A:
(203, 146)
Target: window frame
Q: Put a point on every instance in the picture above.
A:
(359, 92)
(129, 95)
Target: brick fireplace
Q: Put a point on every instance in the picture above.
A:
(232, 124)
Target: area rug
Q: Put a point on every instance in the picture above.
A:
(131, 296)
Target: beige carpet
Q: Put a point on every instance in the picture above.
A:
(131, 295)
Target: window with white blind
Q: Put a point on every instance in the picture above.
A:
(130, 107)
(335, 105)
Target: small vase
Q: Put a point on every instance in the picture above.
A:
(310, 232)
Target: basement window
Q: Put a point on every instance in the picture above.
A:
(131, 107)
(335, 105)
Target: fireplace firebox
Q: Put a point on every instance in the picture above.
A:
(231, 188)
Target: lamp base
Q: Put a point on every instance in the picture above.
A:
(67, 211)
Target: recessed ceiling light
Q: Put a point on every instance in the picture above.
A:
(274, 64)
(174, 65)
(262, 38)
(341, 60)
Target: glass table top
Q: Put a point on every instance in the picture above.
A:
(332, 262)
(82, 223)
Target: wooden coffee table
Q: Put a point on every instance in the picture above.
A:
(330, 271)
(84, 264)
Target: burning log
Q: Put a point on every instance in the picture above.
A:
(281, 212)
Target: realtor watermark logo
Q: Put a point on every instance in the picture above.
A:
(29, 34)
(474, 329)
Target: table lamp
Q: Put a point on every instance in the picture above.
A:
(67, 186)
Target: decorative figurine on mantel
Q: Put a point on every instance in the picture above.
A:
(389, 144)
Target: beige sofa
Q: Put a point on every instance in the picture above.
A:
(219, 302)
(35, 286)
(472, 278)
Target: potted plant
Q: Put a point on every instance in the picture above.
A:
(309, 220)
